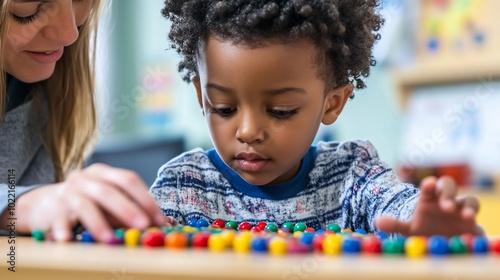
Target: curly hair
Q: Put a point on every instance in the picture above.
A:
(343, 31)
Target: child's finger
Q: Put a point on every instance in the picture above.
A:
(428, 189)
(391, 225)
(469, 207)
(446, 190)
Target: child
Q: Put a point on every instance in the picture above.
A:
(267, 73)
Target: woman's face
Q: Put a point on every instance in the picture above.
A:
(37, 34)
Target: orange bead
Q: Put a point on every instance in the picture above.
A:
(176, 240)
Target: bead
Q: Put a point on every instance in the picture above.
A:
(231, 225)
(202, 223)
(297, 234)
(228, 236)
(306, 238)
(437, 245)
(288, 226)
(347, 230)
(277, 246)
(309, 229)
(256, 229)
(192, 222)
(241, 242)
(299, 227)
(271, 227)
(360, 231)
(189, 229)
(258, 244)
(415, 246)
(120, 233)
(351, 245)
(371, 245)
(244, 226)
(334, 227)
(456, 245)
(381, 235)
(200, 239)
(283, 232)
(480, 245)
(393, 246)
(332, 244)
(38, 235)
(467, 239)
(296, 247)
(114, 241)
(218, 223)
(318, 242)
(87, 237)
(495, 245)
(176, 240)
(216, 243)
(261, 225)
(320, 231)
(132, 237)
(153, 238)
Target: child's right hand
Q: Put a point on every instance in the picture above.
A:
(99, 197)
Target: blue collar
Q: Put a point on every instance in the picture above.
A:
(274, 192)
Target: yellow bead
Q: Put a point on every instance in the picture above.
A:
(332, 244)
(415, 246)
(228, 236)
(216, 243)
(277, 246)
(297, 234)
(241, 243)
(132, 237)
(189, 229)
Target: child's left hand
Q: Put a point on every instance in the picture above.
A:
(438, 212)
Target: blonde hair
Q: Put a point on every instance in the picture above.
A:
(70, 94)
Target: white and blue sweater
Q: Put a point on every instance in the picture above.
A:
(342, 183)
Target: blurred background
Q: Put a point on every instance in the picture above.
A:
(431, 107)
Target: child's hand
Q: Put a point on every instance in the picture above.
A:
(439, 212)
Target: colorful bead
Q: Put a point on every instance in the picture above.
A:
(296, 247)
(495, 245)
(456, 245)
(241, 242)
(415, 246)
(256, 229)
(86, 237)
(393, 246)
(334, 227)
(371, 245)
(258, 244)
(153, 238)
(360, 231)
(309, 229)
(228, 236)
(480, 245)
(299, 227)
(437, 245)
(381, 235)
(218, 223)
(38, 235)
(231, 225)
(200, 239)
(271, 227)
(261, 225)
(176, 240)
(132, 237)
(192, 222)
(351, 245)
(277, 246)
(245, 226)
(332, 244)
(288, 226)
(120, 233)
(318, 242)
(202, 223)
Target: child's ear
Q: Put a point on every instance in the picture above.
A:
(335, 102)
(196, 83)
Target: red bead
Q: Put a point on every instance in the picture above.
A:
(318, 242)
(200, 239)
(309, 229)
(495, 245)
(256, 229)
(467, 240)
(371, 245)
(245, 226)
(219, 224)
(153, 238)
(261, 225)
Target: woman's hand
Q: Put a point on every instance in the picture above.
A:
(439, 212)
(99, 197)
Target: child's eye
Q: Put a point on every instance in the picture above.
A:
(281, 114)
(223, 112)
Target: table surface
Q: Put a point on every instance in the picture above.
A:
(50, 260)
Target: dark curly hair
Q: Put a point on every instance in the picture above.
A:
(344, 31)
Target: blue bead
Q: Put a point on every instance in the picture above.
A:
(360, 231)
(437, 245)
(480, 245)
(382, 235)
(306, 238)
(192, 222)
(351, 245)
(87, 237)
(259, 244)
(320, 231)
(202, 223)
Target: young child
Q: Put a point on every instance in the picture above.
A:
(267, 73)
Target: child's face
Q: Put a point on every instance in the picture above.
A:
(38, 32)
(264, 105)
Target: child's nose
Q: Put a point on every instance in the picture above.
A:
(250, 130)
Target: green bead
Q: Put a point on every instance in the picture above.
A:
(232, 224)
(166, 229)
(38, 235)
(179, 228)
(456, 245)
(334, 227)
(120, 233)
(271, 227)
(393, 246)
(299, 227)
(288, 225)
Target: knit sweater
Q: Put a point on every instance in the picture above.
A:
(341, 183)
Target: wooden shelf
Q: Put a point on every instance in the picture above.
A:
(449, 70)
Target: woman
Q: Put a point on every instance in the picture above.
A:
(47, 116)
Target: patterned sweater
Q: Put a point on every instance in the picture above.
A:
(342, 183)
